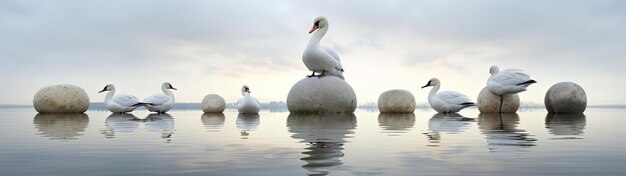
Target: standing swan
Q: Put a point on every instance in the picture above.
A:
(120, 103)
(446, 101)
(248, 104)
(318, 58)
(507, 81)
(161, 102)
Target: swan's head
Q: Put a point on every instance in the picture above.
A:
(167, 85)
(494, 69)
(245, 88)
(319, 22)
(431, 82)
(108, 87)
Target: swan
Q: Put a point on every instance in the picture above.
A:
(161, 102)
(319, 58)
(248, 104)
(507, 81)
(120, 103)
(446, 101)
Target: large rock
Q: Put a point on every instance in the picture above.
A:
(566, 97)
(61, 99)
(490, 102)
(328, 94)
(213, 103)
(396, 101)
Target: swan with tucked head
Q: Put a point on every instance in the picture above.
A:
(321, 59)
(161, 102)
(509, 81)
(248, 104)
(119, 103)
(446, 101)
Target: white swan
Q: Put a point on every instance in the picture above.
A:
(120, 103)
(248, 104)
(161, 102)
(318, 58)
(446, 101)
(507, 81)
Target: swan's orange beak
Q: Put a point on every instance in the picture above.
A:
(313, 28)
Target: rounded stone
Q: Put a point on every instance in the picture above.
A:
(566, 97)
(490, 102)
(61, 99)
(396, 101)
(213, 103)
(328, 94)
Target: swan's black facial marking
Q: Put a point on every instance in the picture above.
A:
(317, 23)
(104, 89)
(427, 84)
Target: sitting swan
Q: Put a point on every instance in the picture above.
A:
(120, 103)
(248, 104)
(446, 101)
(509, 81)
(318, 58)
(161, 102)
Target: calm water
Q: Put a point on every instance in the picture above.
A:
(366, 143)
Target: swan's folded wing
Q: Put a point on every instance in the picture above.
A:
(125, 100)
(510, 77)
(157, 99)
(452, 97)
(332, 53)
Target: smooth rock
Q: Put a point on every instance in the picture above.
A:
(566, 97)
(61, 99)
(396, 101)
(490, 102)
(213, 103)
(328, 94)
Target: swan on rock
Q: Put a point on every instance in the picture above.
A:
(119, 103)
(248, 104)
(446, 101)
(321, 59)
(509, 81)
(161, 102)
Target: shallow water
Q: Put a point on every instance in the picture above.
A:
(277, 143)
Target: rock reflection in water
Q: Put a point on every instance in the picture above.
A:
(325, 136)
(247, 123)
(502, 134)
(396, 123)
(441, 123)
(213, 122)
(160, 123)
(562, 124)
(61, 126)
(120, 123)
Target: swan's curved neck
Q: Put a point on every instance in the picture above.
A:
(109, 95)
(167, 92)
(433, 91)
(317, 36)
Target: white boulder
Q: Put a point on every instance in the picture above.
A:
(490, 102)
(328, 94)
(396, 101)
(213, 103)
(61, 99)
(566, 97)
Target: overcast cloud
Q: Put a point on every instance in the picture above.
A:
(204, 47)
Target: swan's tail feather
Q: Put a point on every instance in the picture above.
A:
(529, 82)
(467, 104)
(143, 104)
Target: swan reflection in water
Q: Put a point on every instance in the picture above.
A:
(160, 123)
(396, 123)
(446, 123)
(61, 126)
(213, 122)
(566, 124)
(120, 123)
(500, 130)
(325, 136)
(247, 123)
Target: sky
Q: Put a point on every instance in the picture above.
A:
(215, 47)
